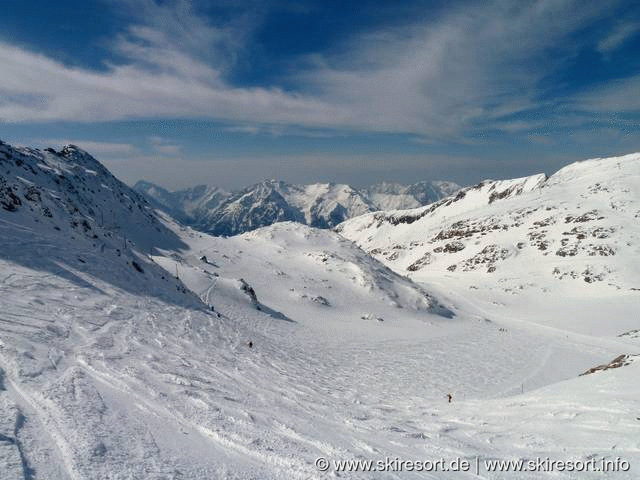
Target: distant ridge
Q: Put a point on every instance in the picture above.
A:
(322, 205)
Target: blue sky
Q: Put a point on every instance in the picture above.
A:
(231, 92)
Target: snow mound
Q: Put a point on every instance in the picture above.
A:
(304, 274)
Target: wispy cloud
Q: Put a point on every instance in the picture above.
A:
(617, 96)
(275, 130)
(478, 64)
(165, 146)
(618, 36)
(472, 70)
(134, 91)
(171, 66)
(175, 25)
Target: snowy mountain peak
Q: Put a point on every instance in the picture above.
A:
(69, 202)
(322, 205)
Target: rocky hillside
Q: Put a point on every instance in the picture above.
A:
(581, 224)
(77, 216)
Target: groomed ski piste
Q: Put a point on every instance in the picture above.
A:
(137, 348)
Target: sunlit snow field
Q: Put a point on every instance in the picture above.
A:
(109, 370)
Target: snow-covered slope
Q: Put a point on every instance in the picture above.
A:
(70, 191)
(63, 212)
(313, 350)
(304, 273)
(321, 205)
(464, 200)
(570, 240)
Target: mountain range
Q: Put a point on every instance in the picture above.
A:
(322, 205)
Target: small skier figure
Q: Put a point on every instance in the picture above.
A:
(250, 344)
(449, 397)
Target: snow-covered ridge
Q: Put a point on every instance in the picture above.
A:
(577, 231)
(612, 168)
(73, 212)
(71, 188)
(464, 200)
(321, 205)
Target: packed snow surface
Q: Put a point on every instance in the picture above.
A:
(179, 355)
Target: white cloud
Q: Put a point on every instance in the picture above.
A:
(168, 149)
(170, 66)
(280, 130)
(165, 146)
(618, 37)
(437, 79)
(463, 72)
(132, 91)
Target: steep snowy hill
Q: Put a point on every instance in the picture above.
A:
(572, 238)
(304, 273)
(321, 205)
(53, 203)
(71, 189)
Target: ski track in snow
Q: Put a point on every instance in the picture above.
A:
(152, 372)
